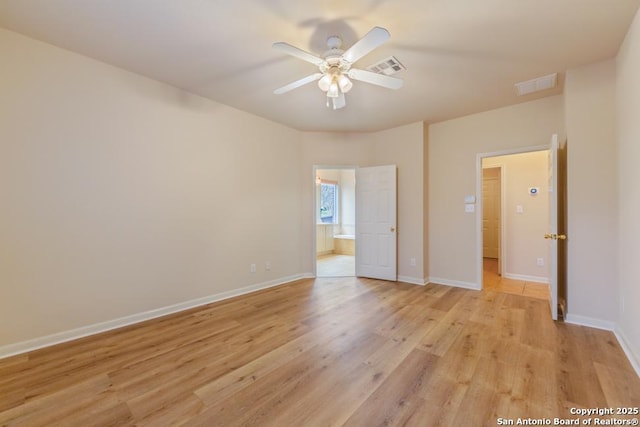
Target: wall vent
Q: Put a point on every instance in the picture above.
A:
(536, 85)
(387, 66)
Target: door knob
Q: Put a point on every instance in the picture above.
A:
(392, 229)
(555, 236)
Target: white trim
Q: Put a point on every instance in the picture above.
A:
(517, 150)
(412, 280)
(96, 328)
(590, 322)
(527, 278)
(503, 219)
(634, 358)
(455, 283)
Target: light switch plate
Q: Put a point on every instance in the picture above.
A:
(469, 199)
(469, 207)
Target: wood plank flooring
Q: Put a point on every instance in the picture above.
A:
(327, 352)
(493, 281)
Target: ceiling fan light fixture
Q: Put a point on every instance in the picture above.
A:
(334, 90)
(344, 83)
(335, 75)
(324, 82)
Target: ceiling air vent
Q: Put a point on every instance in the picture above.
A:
(387, 66)
(536, 85)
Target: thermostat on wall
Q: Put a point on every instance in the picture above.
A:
(533, 191)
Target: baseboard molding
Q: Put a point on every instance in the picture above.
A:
(412, 280)
(456, 283)
(73, 334)
(590, 322)
(526, 278)
(634, 357)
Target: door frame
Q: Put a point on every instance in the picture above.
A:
(478, 224)
(315, 207)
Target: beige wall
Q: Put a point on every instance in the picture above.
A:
(454, 146)
(347, 201)
(523, 232)
(122, 195)
(628, 134)
(402, 146)
(592, 196)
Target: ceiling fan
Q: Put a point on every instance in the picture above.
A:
(335, 67)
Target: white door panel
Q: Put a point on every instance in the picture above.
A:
(491, 212)
(376, 244)
(556, 235)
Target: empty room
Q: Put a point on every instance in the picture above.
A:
(322, 213)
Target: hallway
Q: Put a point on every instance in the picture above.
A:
(493, 281)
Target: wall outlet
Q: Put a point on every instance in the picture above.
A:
(267, 265)
(252, 268)
(412, 262)
(540, 262)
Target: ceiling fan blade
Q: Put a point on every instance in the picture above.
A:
(366, 44)
(298, 83)
(376, 79)
(298, 53)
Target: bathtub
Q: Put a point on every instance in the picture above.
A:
(344, 244)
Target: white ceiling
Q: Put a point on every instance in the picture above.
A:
(462, 56)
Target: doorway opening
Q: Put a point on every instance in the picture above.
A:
(514, 214)
(334, 215)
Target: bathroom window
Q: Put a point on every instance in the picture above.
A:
(328, 203)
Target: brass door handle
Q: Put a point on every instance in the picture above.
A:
(555, 236)
(392, 229)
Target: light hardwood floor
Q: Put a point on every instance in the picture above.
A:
(327, 352)
(491, 280)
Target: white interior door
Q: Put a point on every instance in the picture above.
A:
(376, 222)
(491, 213)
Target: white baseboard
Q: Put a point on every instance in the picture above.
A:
(412, 280)
(84, 331)
(634, 358)
(590, 322)
(456, 283)
(527, 278)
